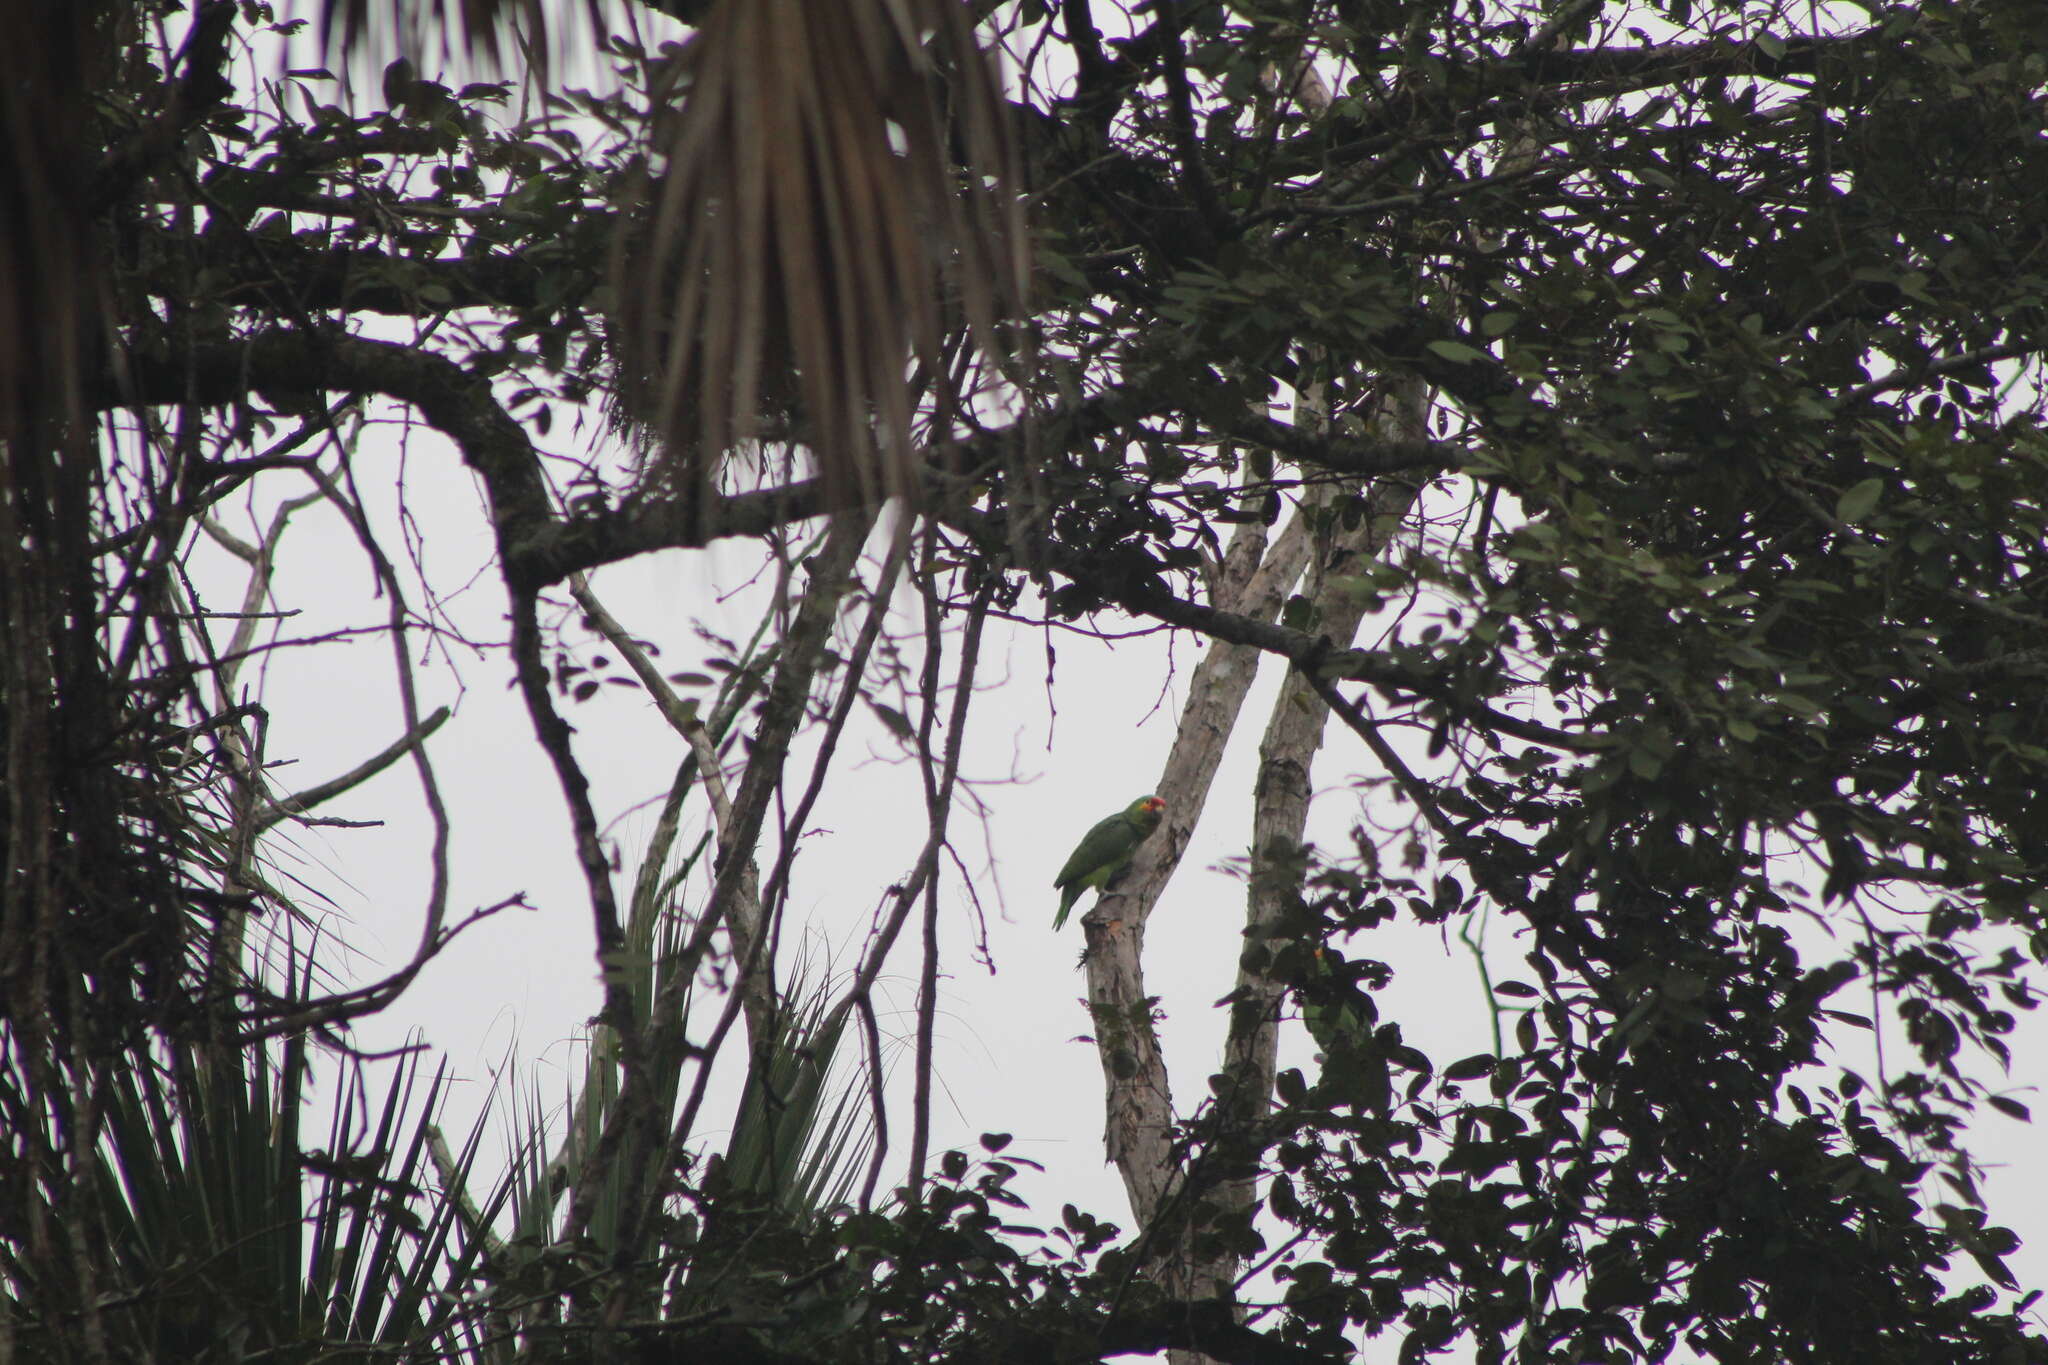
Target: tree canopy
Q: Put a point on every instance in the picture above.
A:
(1619, 420)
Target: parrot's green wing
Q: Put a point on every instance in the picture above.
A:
(1327, 1022)
(1105, 851)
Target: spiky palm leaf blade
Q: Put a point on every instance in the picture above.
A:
(207, 1203)
(535, 1182)
(784, 1146)
(199, 1216)
(786, 1166)
(466, 1324)
(804, 1178)
(366, 1254)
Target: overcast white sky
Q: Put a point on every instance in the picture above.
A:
(511, 997)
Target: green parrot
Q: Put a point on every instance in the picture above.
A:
(1105, 851)
(1329, 1022)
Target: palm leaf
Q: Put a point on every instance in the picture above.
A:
(785, 1148)
(805, 229)
(478, 27)
(788, 1163)
(217, 1237)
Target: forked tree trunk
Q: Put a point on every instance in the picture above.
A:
(1139, 1137)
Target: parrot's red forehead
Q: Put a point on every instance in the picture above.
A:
(1153, 803)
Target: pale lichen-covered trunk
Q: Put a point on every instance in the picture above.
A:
(1253, 581)
(1139, 1136)
(1140, 1111)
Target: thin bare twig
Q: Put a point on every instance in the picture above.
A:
(300, 802)
(873, 1035)
(937, 812)
(649, 1169)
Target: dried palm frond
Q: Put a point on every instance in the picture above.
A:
(477, 27)
(833, 167)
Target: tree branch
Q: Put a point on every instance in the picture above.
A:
(1138, 1099)
(303, 801)
(1187, 144)
(538, 547)
(649, 1168)
(200, 87)
(456, 402)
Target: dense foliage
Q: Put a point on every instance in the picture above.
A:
(1659, 380)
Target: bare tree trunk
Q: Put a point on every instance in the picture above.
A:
(1294, 733)
(1140, 1112)
(1253, 581)
(1282, 790)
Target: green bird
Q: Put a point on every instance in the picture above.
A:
(1329, 1022)
(1106, 850)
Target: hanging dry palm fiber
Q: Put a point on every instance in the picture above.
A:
(806, 229)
